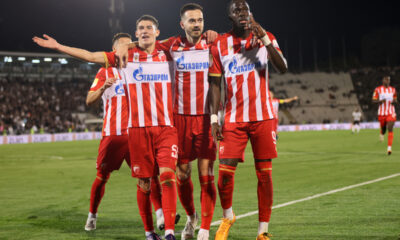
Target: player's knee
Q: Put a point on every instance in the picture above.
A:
(206, 167)
(233, 162)
(144, 189)
(183, 176)
(144, 184)
(263, 170)
(183, 173)
(206, 172)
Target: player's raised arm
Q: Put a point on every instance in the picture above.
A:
(275, 56)
(289, 100)
(51, 43)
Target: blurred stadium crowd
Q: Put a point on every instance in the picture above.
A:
(41, 105)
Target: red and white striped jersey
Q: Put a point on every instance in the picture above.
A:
(115, 105)
(191, 64)
(275, 106)
(389, 95)
(148, 83)
(245, 67)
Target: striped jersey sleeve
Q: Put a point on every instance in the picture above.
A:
(99, 80)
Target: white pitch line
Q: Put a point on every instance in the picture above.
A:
(315, 196)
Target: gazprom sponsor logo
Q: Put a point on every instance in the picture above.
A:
(119, 89)
(181, 65)
(139, 76)
(234, 68)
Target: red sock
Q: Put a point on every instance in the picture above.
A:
(390, 139)
(207, 198)
(167, 180)
(155, 194)
(97, 192)
(185, 193)
(226, 181)
(264, 190)
(144, 204)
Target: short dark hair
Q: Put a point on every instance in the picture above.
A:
(228, 8)
(147, 18)
(189, 7)
(120, 35)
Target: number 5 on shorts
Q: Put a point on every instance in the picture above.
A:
(273, 133)
(174, 151)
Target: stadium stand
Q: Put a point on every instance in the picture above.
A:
(44, 93)
(323, 97)
(47, 104)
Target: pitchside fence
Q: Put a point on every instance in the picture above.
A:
(65, 137)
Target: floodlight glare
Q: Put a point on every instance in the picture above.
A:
(63, 60)
(8, 59)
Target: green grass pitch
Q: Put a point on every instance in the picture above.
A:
(45, 190)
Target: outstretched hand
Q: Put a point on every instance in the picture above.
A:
(46, 42)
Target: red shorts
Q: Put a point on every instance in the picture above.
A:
(194, 138)
(236, 135)
(385, 119)
(152, 147)
(112, 152)
(276, 120)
